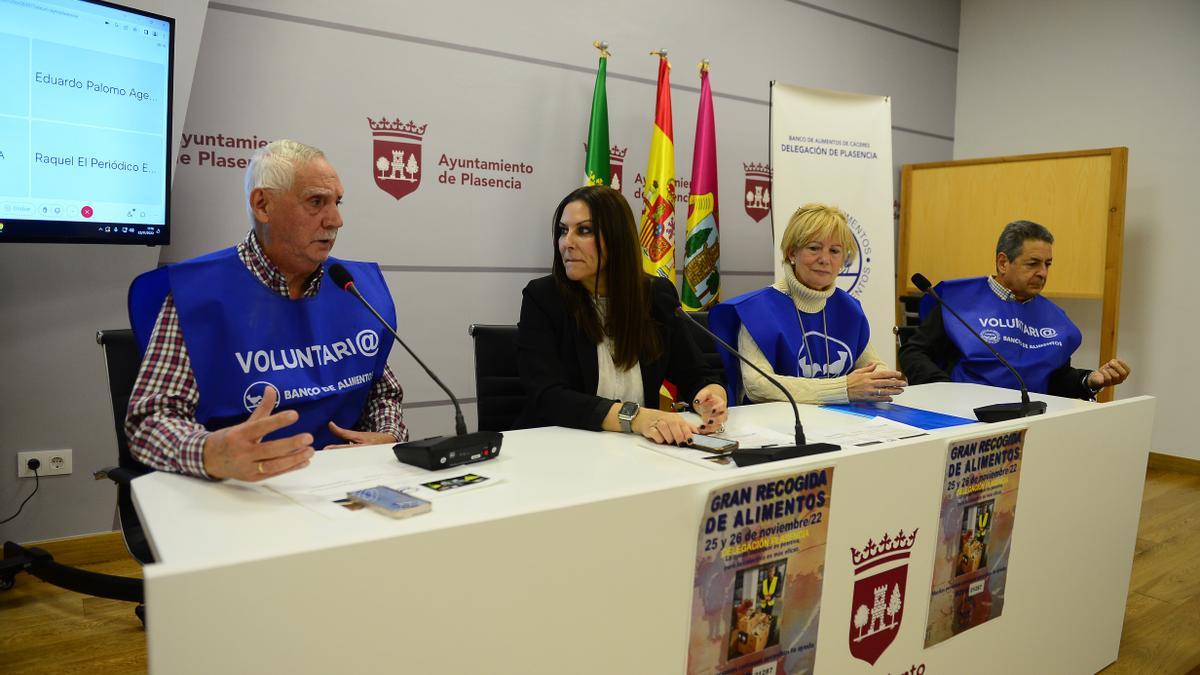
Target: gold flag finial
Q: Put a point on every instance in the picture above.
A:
(603, 47)
(661, 53)
(703, 65)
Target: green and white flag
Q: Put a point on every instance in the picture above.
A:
(596, 168)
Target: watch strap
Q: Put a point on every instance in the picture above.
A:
(625, 415)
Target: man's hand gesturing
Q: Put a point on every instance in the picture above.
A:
(239, 452)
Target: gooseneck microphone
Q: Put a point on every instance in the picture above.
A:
(436, 452)
(1000, 411)
(748, 456)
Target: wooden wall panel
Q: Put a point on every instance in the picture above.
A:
(951, 214)
(956, 213)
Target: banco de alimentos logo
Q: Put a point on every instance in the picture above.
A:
(253, 396)
(856, 274)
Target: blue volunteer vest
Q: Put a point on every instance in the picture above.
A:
(321, 354)
(1036, 337)
(770, 317)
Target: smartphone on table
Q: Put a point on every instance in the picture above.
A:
(712, 443)
(390, 501)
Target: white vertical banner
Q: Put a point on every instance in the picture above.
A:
(836, 148)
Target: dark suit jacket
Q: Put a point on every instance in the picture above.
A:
(558, 363)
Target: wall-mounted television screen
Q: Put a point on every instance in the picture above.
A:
(85, 123)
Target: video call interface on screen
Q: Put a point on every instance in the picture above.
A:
(84, 122)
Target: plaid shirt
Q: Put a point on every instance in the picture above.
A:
(1003, 293)
(161, 423)
(1007, 295)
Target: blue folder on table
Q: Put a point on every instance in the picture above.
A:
(922, 419)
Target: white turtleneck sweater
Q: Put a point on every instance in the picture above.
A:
(804, 389)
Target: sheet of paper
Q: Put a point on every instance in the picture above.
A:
(714, 461)
(877, 430)
(325, 493)
(750, 436)
(747, 436)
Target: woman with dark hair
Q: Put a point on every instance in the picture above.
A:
(598, 336)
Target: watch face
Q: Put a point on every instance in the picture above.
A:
(625, 415)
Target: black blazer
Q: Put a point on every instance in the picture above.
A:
(558, 363)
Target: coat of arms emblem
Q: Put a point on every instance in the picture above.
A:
(758, 190)
(616, 164)
(397, 155)
(877, 606)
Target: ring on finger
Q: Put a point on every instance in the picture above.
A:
(260, 468)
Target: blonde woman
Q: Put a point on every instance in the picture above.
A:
(804, 328)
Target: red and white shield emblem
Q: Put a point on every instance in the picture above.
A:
(616, 163)
(758, 190)
(877, 606)
(396, 155)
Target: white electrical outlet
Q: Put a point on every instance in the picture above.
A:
(53, 462)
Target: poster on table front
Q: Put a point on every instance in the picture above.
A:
(979, 507)
(760, 561)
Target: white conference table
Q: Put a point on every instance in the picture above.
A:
(580, 557)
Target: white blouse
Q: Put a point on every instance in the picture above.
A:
(622, 385)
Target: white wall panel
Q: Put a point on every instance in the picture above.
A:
(501, 86)
(53, 390)
(1085, 74)
(492, 80)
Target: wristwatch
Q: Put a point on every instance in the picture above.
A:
(625, 415)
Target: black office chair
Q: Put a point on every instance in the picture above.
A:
(912, 306)
(498, 391)
(912, 319)
(903, 334)
(121, 361)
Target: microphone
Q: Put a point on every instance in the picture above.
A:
(748, 456)
(999, 411)
(435, 452)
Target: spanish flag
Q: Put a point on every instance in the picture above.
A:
(701, 278)
(658, 193)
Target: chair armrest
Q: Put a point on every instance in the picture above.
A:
(120, 475)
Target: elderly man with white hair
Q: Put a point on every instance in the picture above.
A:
(252, 359)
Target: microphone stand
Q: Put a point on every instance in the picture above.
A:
(997, 412)
(749, 456)
(435, 452)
